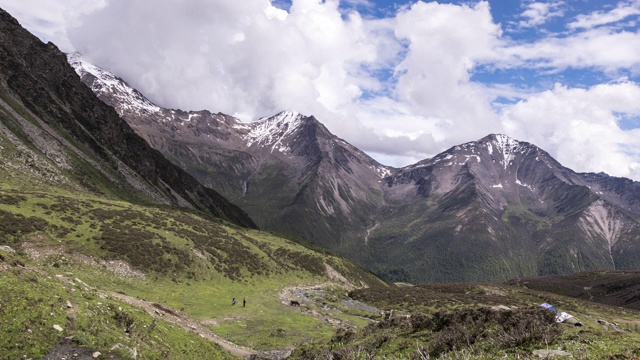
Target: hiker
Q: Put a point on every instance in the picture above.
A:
(233, 302)
(244, 302)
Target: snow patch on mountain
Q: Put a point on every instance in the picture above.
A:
(508, 147)
(381, 171)
(469, 157)
(108, 83)
(272, 130)
(523, 184)
(239, 125)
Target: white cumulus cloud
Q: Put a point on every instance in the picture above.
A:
(581, 126)
(603, 49)
(49, 20)
(537, 13)
(622, 11)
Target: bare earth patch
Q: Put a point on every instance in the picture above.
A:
(117, 267)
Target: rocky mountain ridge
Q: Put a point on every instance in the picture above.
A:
(491, 209)
(56, 130)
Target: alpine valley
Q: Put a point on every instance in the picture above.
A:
(115, 245)
(488, 210)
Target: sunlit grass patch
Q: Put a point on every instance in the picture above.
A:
(38, 310)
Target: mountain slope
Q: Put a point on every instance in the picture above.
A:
(274, 168)
(64, 132)
(491, 209)
(506, 209)
(616, 288)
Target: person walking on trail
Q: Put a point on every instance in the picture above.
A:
(244, 302)
(233, 302)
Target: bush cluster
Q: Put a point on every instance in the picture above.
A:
(227, 255)
(145, 250)
(15, 225)
(125, 236)
(432, 295)
(502, 329)
(11, 199)
(142, 249)
(291, 259)
(72, 220)
(481, 329)
(65, 205)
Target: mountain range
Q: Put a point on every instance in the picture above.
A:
(490, 209)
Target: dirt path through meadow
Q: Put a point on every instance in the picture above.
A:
(178, 318)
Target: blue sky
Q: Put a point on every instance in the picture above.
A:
(402, 80)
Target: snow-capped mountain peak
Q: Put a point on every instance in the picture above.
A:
(506, 146)
(283, 116)
(270, 131)
(108, 83)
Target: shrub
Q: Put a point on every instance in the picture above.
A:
(448, 331)
(15, 225)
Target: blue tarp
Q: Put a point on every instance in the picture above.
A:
(549, 306)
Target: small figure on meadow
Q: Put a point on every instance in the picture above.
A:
(244, 302)
(233, 302)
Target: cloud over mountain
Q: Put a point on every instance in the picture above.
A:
(402, 84)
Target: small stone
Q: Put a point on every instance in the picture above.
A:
(69, 304)
(8, 249)
(96, 354)
(57, 327)
(546, 354)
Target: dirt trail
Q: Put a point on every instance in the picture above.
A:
(171, 315)
(199, 327)
(156, 310)
(298, 292)
(178, 318)
(316, 309)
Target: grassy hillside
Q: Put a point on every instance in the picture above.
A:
(45, 315)
(171, 257)
(482, 321)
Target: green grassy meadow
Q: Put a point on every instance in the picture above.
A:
(176, 258)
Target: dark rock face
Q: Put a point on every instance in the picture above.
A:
(491, 209)
(37, 81)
